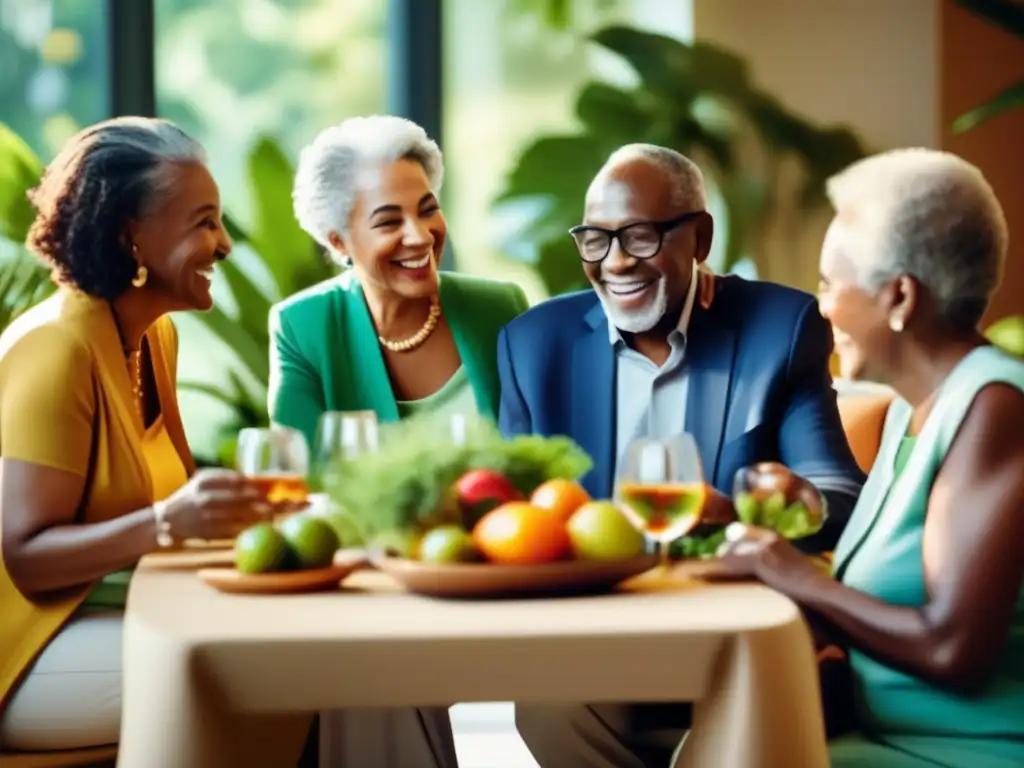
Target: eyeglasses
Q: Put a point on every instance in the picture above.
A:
(642, 240)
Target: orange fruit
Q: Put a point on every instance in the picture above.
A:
(560, 497)
(518, 533)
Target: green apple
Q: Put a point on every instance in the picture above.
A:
(262, 549)
(447, 544)
(313, 541)
(599, 531)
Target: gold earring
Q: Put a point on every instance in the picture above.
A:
(896, 324)
(141, 276)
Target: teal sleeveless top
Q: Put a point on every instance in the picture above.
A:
(906, 721)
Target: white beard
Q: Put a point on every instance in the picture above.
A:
(639, 320)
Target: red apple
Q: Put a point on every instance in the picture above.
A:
(481, 490)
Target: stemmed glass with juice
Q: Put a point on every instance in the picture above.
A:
(276, 460)
(660, 488)
(342, 435)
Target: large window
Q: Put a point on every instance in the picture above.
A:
(231, 71)
(234, 72)
(508, 77)
(53, 69)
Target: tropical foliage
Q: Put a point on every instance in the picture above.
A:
(699, 99)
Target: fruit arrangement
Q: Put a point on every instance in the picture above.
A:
(559, 521)
(300, 542)
(416, 484)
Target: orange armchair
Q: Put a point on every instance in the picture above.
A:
(863, 418)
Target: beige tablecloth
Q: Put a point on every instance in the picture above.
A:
(217, 681)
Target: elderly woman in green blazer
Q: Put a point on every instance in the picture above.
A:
(391, 334)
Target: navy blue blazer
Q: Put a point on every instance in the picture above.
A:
(759, 388)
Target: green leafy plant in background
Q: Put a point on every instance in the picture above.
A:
(291, 261)
(23, 280)
(286, 259)
(555, 14)
(1009, 16)
(698, 99)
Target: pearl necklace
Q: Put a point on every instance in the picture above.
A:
(417, 339)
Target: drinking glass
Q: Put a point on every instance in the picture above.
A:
(660, 488)
(771, 496)
(276, 460)
(342, 435)
(459, 425)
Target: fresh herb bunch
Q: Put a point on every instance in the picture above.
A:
(407, 485)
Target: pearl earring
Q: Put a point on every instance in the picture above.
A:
(896, 324)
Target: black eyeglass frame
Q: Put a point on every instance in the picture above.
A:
(661, 227)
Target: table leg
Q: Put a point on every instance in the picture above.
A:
(762, 709)
(173, 715)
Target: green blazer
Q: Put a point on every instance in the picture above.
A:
(324, 353)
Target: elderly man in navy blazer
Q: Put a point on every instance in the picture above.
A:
(639, 356)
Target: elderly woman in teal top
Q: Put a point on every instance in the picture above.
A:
(927, 591)
(391, 335)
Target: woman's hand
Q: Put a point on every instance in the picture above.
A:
(216, 504)
(767, 556)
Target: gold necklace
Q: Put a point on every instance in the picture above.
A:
(417, 339)
(133, 359)
(135, 374)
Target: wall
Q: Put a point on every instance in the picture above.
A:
(871, 64)
(977, 61)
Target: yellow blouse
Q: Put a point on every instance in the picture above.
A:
(66, 402)
(168, 475)
(166, 469)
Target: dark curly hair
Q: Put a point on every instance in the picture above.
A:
(104, 177)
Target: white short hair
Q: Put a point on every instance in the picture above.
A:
(686, 178)
(930, 215)
(325, 180)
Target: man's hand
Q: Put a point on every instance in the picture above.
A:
(718, 509)
(770, 477)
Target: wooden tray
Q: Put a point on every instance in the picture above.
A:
(486, 580)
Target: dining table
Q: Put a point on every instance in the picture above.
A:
(215, 680)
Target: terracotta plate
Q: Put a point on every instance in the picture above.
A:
(232, 581)
(483, 580)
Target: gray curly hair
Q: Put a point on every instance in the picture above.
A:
(325, 181)
(930, 215)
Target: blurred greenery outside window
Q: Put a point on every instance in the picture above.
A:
(53, 73)
(509, 76)
(233, 71)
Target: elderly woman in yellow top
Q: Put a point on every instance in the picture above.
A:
(95, 467)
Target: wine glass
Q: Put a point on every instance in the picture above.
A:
(458, 428)
(276, 460)
(660, 488)
(770, 495)
(342, 435)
